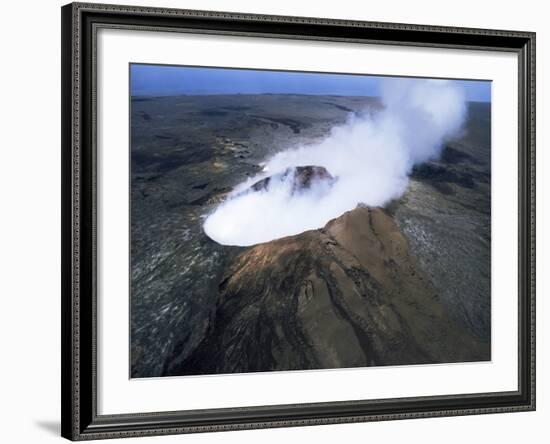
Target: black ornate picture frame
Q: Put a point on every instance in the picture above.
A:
(80, 419)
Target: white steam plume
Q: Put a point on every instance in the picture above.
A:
(371, 157)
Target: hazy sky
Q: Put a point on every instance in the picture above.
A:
(162, 80)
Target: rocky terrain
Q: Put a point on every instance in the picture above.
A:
(347, 295)
(406, 284)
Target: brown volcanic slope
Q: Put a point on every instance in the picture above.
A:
(347, 295)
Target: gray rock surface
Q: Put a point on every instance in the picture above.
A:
(188, 152)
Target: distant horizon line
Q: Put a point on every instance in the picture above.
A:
(156, 96)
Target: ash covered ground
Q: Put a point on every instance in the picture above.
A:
(406, 284)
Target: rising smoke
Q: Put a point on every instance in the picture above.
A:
(371, 156)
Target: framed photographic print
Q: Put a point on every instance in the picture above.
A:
(280, 221)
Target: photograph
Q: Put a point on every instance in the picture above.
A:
(279, 218)
(275, 222)
(295, 220)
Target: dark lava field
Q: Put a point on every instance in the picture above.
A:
(405, 284)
